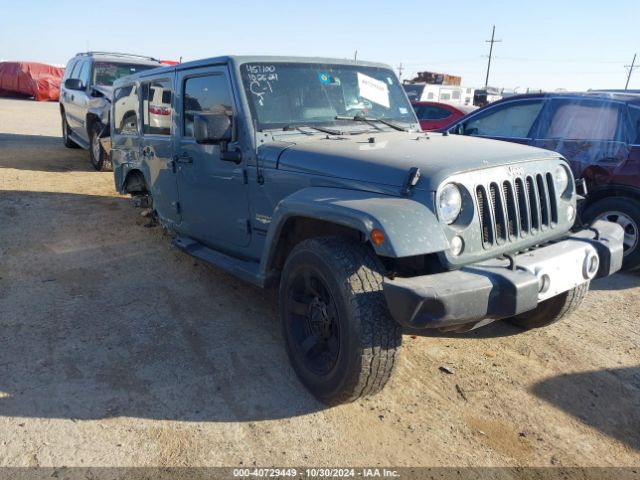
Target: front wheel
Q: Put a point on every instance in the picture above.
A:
(99, 158)
(340, 337)
(551, 310)
(626, 213)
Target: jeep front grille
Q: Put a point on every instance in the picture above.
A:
(516, 208)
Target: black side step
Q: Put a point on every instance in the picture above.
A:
(247, 271)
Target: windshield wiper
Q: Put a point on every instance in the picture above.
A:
(320, 129)
(360, 118)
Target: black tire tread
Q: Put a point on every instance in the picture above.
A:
(381, 335)
(552, 310)
(103, 164)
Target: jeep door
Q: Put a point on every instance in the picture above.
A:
(591, 133)
(157, 149)
(213, 192)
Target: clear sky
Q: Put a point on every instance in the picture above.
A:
(572, 44)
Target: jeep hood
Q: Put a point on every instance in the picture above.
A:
(385, 158)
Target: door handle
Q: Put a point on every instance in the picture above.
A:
(183, 158)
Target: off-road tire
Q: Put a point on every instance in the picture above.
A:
(629, 207)
(369, 339)
(552, 310)
(66, 130)
(99, 159)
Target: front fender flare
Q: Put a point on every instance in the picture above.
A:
(410, 227)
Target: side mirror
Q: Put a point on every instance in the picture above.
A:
(212, 128)
(73, 84)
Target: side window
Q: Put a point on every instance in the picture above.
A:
(210, 94)
(156, 105)
(125, 110)
(634, 113)
(69, 69)
(431, 112)
(581, 120)
(512, 120)
(84, 72)
(76, 69)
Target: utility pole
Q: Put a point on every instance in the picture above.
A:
(492, 41)
(355, 55)
(630, 67)
(400, 71)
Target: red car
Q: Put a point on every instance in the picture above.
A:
(435, 115)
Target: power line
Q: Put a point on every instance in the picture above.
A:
(492, 41)
(630, 67)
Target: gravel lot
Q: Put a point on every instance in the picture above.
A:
(117, 350)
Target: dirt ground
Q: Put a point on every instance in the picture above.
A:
(117, 350)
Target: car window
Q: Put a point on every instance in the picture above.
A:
(69, 69)
(512, 120)
(581, 120)
(156, 106)
(208, 94)
(76, 69)
(414, 92)
(431, 112)
(634, 113)
(105, 73)
(126, 109)
(84, 73)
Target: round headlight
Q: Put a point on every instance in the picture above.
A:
(449, 203)
(561, 177)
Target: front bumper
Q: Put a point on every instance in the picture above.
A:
(502, 288)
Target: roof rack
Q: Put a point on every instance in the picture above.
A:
(116, 54)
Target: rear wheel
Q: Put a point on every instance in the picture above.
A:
(66, 130)
(552, 310)
(626, 213)
(99, 158)
(340, 337)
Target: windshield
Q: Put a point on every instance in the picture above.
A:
(105, 73)
(291, 94)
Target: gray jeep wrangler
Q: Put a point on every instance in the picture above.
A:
(311, 175)
(85, 98)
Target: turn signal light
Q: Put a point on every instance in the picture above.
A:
(377, 236)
